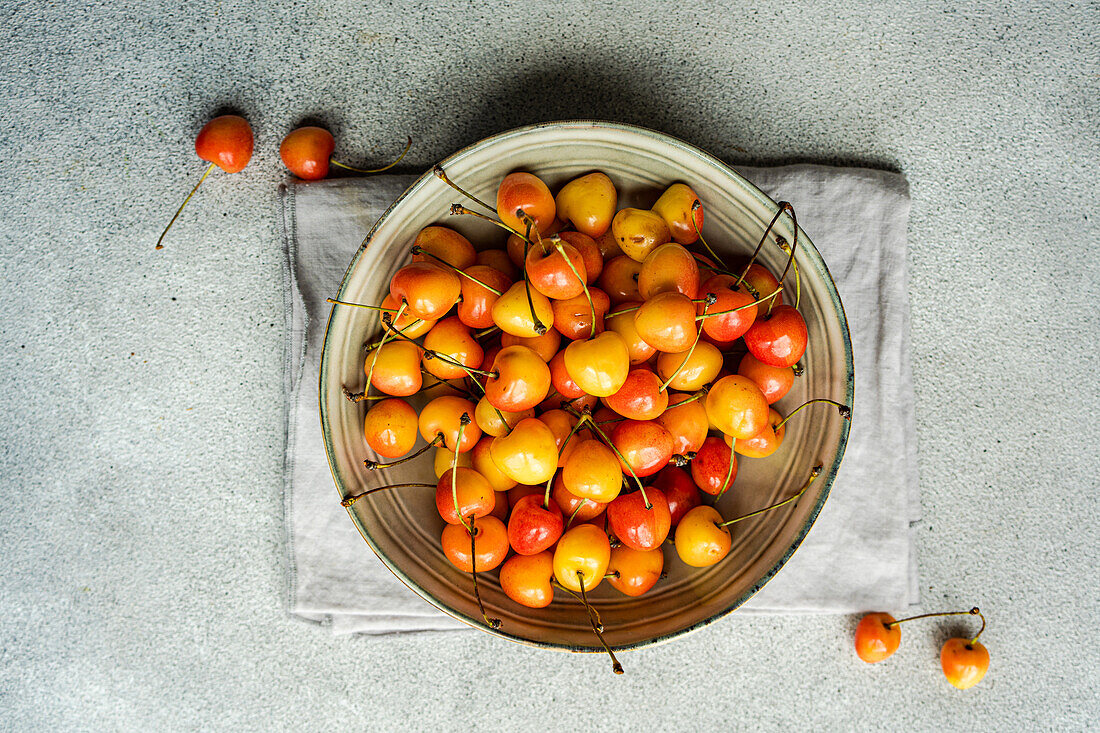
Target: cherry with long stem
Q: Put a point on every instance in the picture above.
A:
(176, 215)
(709, 300)
(459, 209)
(350, 500)
(592, 306)
(471, 528)
(844, 410)
(564, 443)
(441, 174)
(813, 475)
(615, 666)
(418, 250)
(695, 206)
(346, 167)
(431, 354)
(972, 612)
(587, 417)
(728, 480)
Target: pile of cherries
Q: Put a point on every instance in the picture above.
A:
(582, 398)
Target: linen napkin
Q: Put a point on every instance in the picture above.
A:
(859, 554)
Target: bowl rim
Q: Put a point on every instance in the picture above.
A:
(762, 198)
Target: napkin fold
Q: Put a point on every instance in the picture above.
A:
(858, 556)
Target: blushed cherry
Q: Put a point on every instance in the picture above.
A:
(685, 419)
(692, 368)
(877, 637)
(667, 322)
(490, 543)
(582, 549)
(522, 380)
(430, 290)
(560, 379)
(736, 406)
(764, 443)
(760, 279)
(588, 203)
(589, 251)
(592, 472)
(443, 460)
(640, 397)
(563, 426)
(680, 492)
(677, 207)
(403, 321)
(669, 268)
(645, 445)
(512, 312)
(469, 490)
(574, 507)
(499, 260)
(552, 273)
(964, 662)
(621, 321)
(526, 192)
(496, 422)
(639, 232)
(734, 309)
(774, 382)
(700, 538)
(528, 454)
(534, 527)
(598, 365)
(446, 244)
(444, 415)
(390, 427)
(476, 307)
(306, 152)
(526, 579)
(573, 316)
(619, 279)
(778, 339)
(714, 467)
(633, 572)
(394, 368)
(451, 338)
(546, 345)
(482, 462)
(634, 524)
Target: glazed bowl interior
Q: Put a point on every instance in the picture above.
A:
(403, 526)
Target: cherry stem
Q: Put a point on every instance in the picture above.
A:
(540, 328)
(797, 277)
(457, 209)
(972, 612)
(575, 594)
(603, 436)
(386, 337)
(384, 340)
(708, 302)
(462, 423)
(176, 215)
(798, 369)
(549, 481)
(482, 334)
(790, 260)
(430, 353)
(591, 306)
(615, 666)
(418, 250)
(358, 305)
(682, 459)
(729, 475)
(576, 511)
(349, 500)
(698, 395)
(741, 307)
(375, 464)
(529, 225)
(346, 167)
(492, 623)
(783, 206)
(633, 308)
(695, 206)
(442, 175)
(813, 475)
(845, 411)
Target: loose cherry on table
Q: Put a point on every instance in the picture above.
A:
(307, 153)
(964, 661)
(226, 142)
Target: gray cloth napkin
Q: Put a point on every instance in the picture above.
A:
(859, 554)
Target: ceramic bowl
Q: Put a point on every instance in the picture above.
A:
(403, 527)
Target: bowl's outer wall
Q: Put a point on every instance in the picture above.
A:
(403, 527)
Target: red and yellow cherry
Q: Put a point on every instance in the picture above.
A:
(592, 472)
(496, 422)
(609, 248)
(686, 421)
(573, 316)
(621, 321)
(225, 142)
(408, 324)
(430, 290)
(774, 382)
(619, 279)
(736, 406)
(475, 497)
(526, 192)
(633, 572)
(522, 380)
(669, 268)
(588, 203)
(490, 543)
(394, 368)
(444, 415)
(482, 462)
(582, 549)
(876, 639)
(667, 322)
(638, 527)
(446, 244)
(390, 428)
(560, 379)
(764, 283)
(526, 579)
(577, 507)
(680, 492)
(561, 424)
(778, 339)
(528, 454)
(306, 152)
(451, 338)
(700, 538)
(499, 260)
(519, 492)
(546, 345)
(551, 273)
(727, 326)
(677, 207)
(443, 460)
(964, 662)
(764, 443)
(714, 468)
(640, 397)
(589, 251)
(644, 444)
(512, 312)
(500, 508)
(533, 527)
(639, 232)
(476, 307)
(692, 368)
(598, 365)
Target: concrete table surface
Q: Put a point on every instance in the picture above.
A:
(142, 580)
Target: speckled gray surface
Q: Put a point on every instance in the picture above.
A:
(142, 582)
